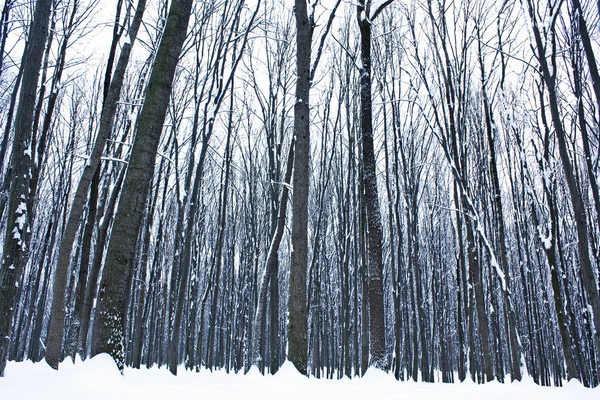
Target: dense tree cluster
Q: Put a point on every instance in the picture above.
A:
(408, 185)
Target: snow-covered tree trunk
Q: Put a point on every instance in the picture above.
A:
(109, 326)
(16, 241)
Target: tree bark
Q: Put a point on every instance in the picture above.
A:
(490, 127)
(111, 312)
(374, 228)
(586, 271)
(57, 316)
(16, 241)
(298, 309)
(272, 257)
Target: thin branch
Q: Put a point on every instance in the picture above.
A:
(380, 9)
(507, 54)
(322, 41)
(348, 53)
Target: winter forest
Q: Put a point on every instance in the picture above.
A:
(404, 185)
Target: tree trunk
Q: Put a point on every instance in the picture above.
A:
(272, 257)
(57, 316)
(374, 228)
(298, 310)
(110, 317)
(586, 271)
(16, 241)
(490, 125)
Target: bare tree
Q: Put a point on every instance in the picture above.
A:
(369, 164)
(548, 71)
(109, 325)
(298, 320)
(16, 241)
(56, 330)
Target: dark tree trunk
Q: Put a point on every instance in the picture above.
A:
(586, 271)
(297, 303)
(57, 316)
(16, 242)
(374, 228)
(461, 292)
(513, 335)
(110, 317)
(271, 265)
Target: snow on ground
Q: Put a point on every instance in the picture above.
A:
(98, 378)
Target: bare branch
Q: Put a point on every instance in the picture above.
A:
(380, 9)
(348, 53)
(322, 41)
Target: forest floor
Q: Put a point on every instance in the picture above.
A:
(98, 378)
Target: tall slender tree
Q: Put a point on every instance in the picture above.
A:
(298, 319)
(297, 303)
(369, 180)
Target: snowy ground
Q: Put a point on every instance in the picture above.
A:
(99, 379)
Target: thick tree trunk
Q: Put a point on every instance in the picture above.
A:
(57, 316)
(110, 317)
(16, 242)
(298, 309)
(374, 228)
(461, 292)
